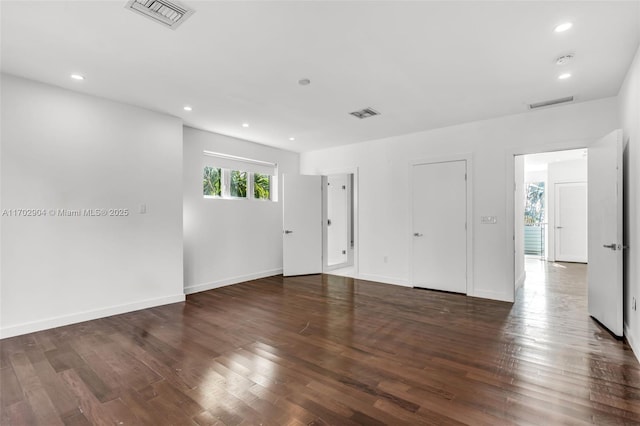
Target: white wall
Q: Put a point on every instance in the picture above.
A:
(535, 176)
(384, 225)
(560, 172)
(65, 150)
(629, 99)
(229, 241)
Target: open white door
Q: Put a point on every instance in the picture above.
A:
(302, 225)
(605, 232)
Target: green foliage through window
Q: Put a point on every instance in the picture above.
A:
(238, 184)
(211, 183)
(228, 183)
(261, 186)
(534, 207)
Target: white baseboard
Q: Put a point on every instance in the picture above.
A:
(383, 279)
(31, 327)
(630, 338)
(493, 295)
(196, 288)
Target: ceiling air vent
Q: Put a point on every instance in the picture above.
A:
(365, 113)
(169, 14)
(551, 102)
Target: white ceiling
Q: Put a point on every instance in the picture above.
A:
(422, 64)
(541, 161)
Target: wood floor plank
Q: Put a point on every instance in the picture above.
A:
(34, 393)
(18, 414)
(77, 419)
(10, 391)
(64, 402)
(90, 407)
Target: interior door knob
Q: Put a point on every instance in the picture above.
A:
(612, 246)
(286, 231)
(417, 234)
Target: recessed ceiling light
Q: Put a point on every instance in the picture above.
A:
(292, 138)
(304, 82)
(77, 76)
(563, 27)
(245, 124)
(187, 108)
(564, 76)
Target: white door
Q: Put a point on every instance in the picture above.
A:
(605, 231)
(337, 220)
(571, 222)
(302, 225)
(439, 226)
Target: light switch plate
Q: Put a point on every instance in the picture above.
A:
(488, 220)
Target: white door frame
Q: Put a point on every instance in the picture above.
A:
(510, 179)
(468, 158)
(355, 191)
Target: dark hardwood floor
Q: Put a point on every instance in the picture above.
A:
(324, 349)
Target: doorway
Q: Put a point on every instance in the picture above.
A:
(550, 216)
(551, 207)
(320, 226)
(604, 170)
(338, 219)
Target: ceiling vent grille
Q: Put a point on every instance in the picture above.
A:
(365, 113)
(551, 102)
(169, 14)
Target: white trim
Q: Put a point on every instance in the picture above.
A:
(634, 348)
(196, 288)
(493, 295)
(467, 157)
(60, 321)
(240, 159)
(339, 273)
(383, 279)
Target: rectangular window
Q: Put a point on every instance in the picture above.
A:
(212, 182)
(261, 186)
(534, 205)
(228, 176)
(238, 184)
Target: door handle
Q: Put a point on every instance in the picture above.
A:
(286, 231)
(612, 246)
(417, 234)
(559, 227)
